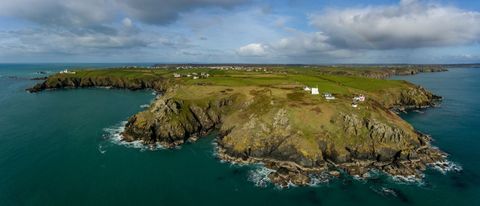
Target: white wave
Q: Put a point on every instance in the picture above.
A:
(419, 111)
(384, 191)
(104, 87)
(446, 166)
(259, 176)
(411, 179)
(114, 134)
(101, 149)
(144, 106)
(320, 179)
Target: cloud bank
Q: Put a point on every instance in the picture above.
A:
(236, 30)
(410, 24)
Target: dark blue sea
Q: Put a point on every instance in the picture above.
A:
(61, 148)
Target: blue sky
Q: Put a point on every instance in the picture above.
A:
(240, 31)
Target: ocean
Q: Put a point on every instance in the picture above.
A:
(61, 148)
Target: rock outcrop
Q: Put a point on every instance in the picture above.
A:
(66, 81)
(171, 122)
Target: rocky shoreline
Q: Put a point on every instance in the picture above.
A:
(171, 132)
(286, 173)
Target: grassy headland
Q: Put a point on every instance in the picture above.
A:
(263, 114)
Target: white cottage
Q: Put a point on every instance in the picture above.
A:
(359, 98)
(315, 91)
(329, 96)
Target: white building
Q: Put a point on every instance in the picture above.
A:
(329, 96)
(359, 98)
(195, 77)
(176, 75)
(315, 91)
(66, 72)
(306, 88)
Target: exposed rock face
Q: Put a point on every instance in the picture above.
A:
(271, 138)
(413, 97)
(171, 122)
(386, 72)
(56, 82)
(383, 147)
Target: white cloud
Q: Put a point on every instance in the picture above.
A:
(127, 22)
(253, 50)
(410, 24)
(301, 43)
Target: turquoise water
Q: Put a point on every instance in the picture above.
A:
(56, 148)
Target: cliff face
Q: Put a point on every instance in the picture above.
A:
(353, 144)
(412, 97)
(66, 81)
(263, 129)
(171, 122)
(383, 73)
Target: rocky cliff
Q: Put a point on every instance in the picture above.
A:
(68, 81)
(262, 129)
(171, 122)
(383, 73)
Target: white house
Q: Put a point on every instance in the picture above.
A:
(306, 88)
(195, 77)
(315, 91)
(66, 72)
(329, 96)
(359, 98)
(177, 75)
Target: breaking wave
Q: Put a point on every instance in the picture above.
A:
(411, 179)
(114, 135)
(259, 176)
(446, 166)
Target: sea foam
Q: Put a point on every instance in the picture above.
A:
(114, 135)
(259, 176)
(446, 166)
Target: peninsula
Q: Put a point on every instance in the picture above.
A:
(301, 121)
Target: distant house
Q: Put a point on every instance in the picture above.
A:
(328, 96)
(359, 98)
(315, 91)
(177, 75)
(306, 88)
(67, 72)
(195, 77)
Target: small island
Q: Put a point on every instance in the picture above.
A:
(300, 121)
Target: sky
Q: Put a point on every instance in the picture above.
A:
(240, 31)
